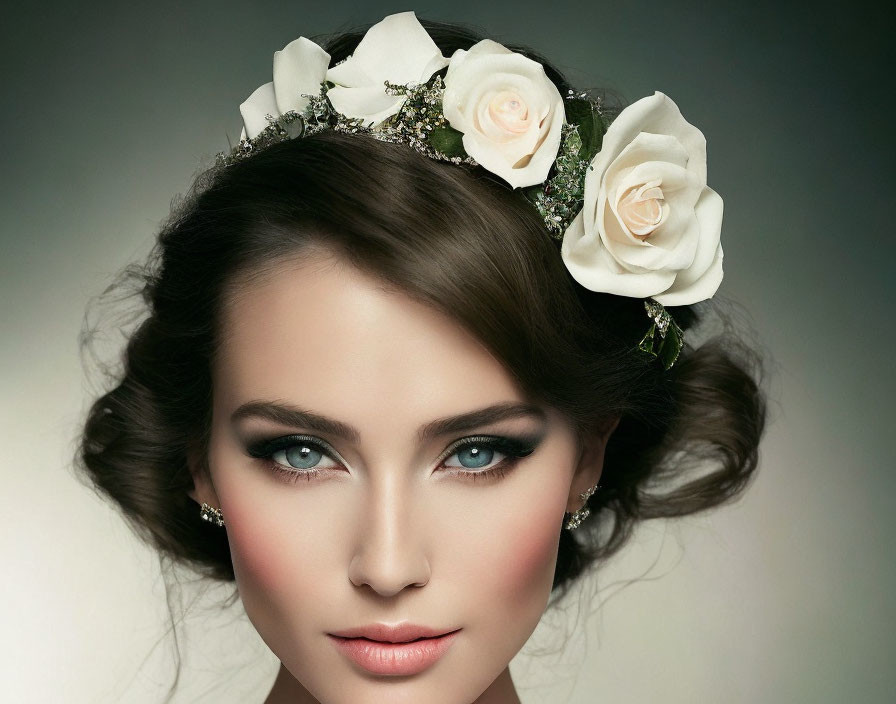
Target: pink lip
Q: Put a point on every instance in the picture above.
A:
(394, 658)
(401, 633)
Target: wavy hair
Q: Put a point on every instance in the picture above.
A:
(460, 240)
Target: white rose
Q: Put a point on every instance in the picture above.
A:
(397, 49)
(509, 111)
(299, 68)
(650, 225)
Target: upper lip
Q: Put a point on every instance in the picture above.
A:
(402, 633)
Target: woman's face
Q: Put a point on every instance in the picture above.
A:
(376, 516)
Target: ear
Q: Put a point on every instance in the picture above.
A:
(203, 490)
(590, 464)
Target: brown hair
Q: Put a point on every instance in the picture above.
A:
(460, 240)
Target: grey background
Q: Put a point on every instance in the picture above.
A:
(110, 108)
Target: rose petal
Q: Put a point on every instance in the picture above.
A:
(467, 79)
(508, 111)
(652, 257)
(679, 185)
(641, 208)
(349, 74)
(397, 48)
(647, 142)
(673, 244)
(474, 78)
(700, 290)
(656, 114)
(253, 110)
(647, 148)
(436, 63)
(482, 47)
(702, 279)
(300, 67)
(534, 171)
(537, 98)
(370, 103)
(593, 266)
(496, 132)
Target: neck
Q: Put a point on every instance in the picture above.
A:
(501, 691)
(288, 690)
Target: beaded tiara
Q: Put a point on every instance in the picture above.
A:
(625, 197)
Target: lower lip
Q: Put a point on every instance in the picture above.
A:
(394, 658)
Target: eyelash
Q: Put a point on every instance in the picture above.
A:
(512, 448)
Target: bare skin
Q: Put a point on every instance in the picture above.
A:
(393, 527)
(288, 690)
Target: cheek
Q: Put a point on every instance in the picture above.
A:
(530, 558)
(536, 551)
(255, 552)
(513, 569)
(265, 550)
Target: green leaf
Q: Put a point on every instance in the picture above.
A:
(448, 140)
(591, 126)
(671, 347)
(646, 344)
(533, 193)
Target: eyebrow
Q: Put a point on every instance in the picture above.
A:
(291, 415)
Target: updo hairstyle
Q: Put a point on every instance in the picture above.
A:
(456, 238)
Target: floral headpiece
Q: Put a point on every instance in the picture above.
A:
(627, 198)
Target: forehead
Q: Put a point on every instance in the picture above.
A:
(323, 334)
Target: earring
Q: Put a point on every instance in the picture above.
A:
(212, 515)
(576, 519)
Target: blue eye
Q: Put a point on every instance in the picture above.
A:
(477, 455)
(300, 456)
(474, 456)
(297, 457)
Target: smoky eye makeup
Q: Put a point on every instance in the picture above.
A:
(484, 457)
(308, 446)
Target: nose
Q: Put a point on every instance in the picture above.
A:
(390, 550)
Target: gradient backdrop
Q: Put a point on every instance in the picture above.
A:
(110, 108)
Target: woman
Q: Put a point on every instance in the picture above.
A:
(407, 342)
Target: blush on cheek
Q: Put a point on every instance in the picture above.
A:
(530, 558)
(264, 563)
(277, 555)
(257, 551)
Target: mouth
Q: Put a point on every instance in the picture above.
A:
(404, 633)
(401, 656)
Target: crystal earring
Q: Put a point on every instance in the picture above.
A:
(212, 515)
(576, 519)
